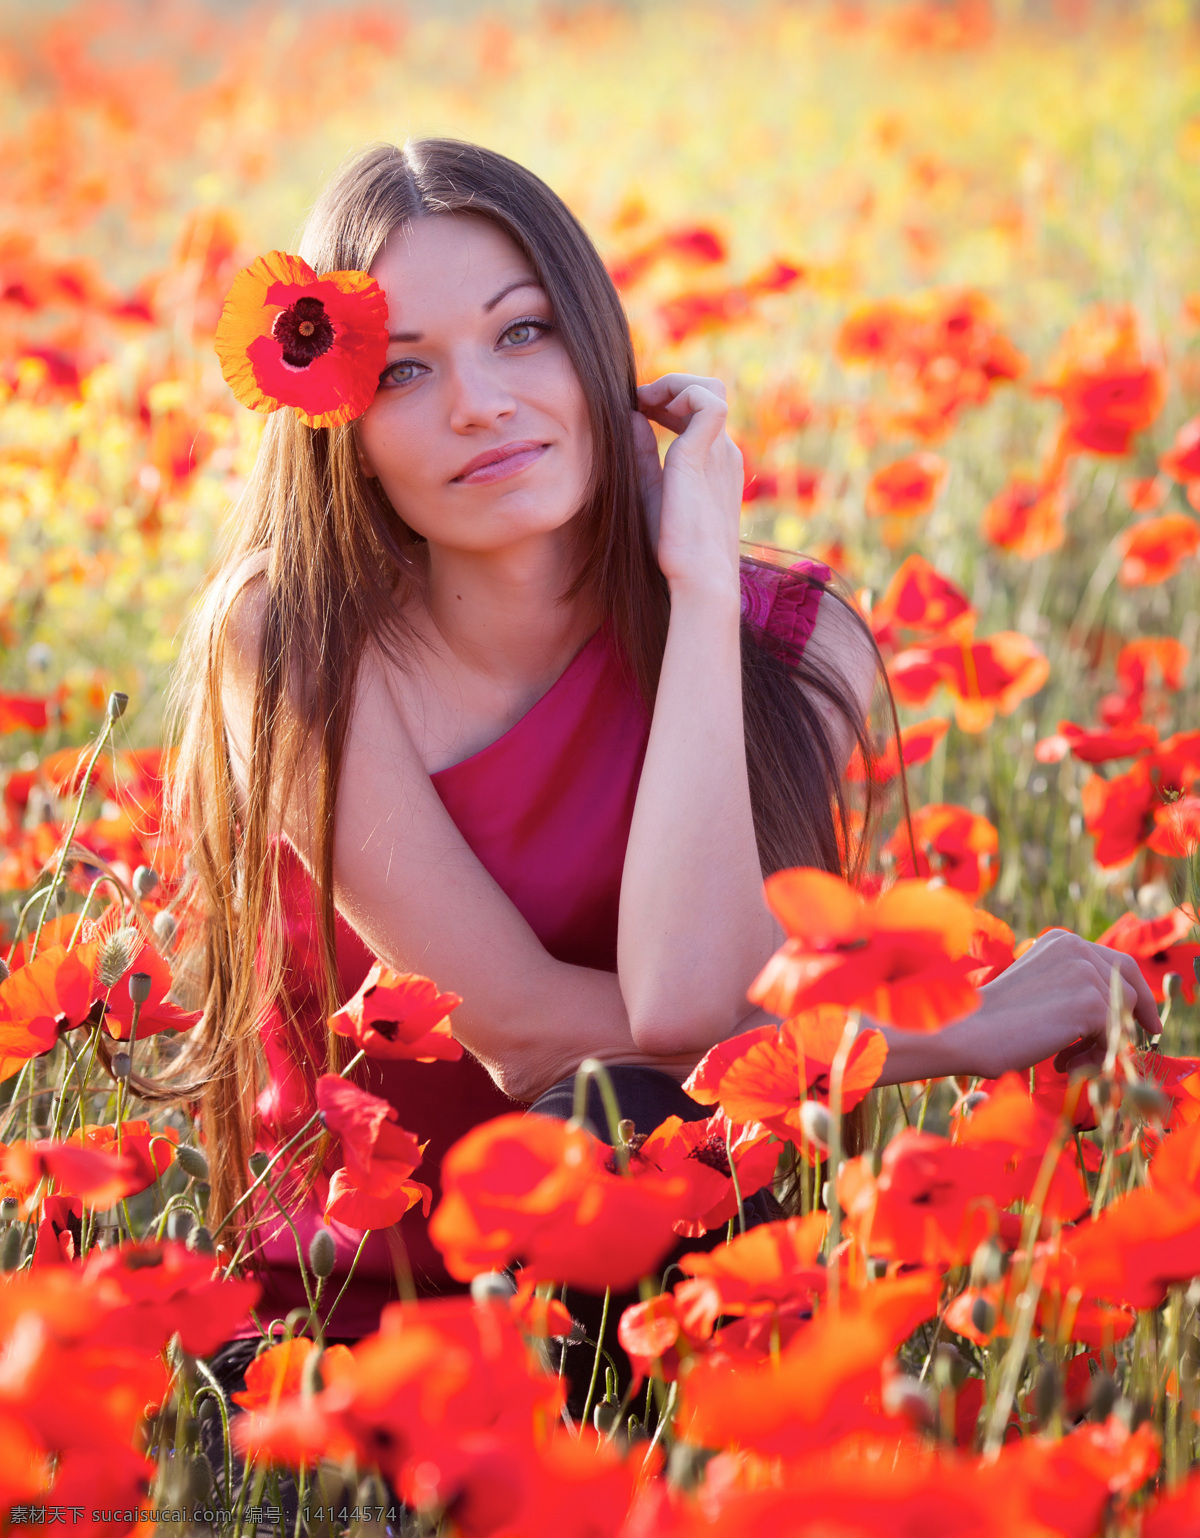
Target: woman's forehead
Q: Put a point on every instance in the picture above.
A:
(448, 261)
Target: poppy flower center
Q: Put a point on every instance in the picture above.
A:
(713, 1153)
(304, 331)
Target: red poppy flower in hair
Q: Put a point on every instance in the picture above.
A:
(287, 337)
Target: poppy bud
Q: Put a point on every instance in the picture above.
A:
(1046, 1391)
(1146, 1098)
(258, 1163)
(983, 1316)
(191, 1161)
(606, 1416)
(988, 1264)
(200, 1241)
(180, 1223)
(139, 987)
(9, 1208)
(4, 970)
(976, 1098)
(197, 1482)
(116, 705)
(626, 1130)
(1196, 967)
(492, 1287)
(165, 929)
(1103, 1396)
(10, 1249)
(1099, 1093)
(1172, 985)
(122, 1065)
(826, 1194)
(949, 1367)
(322, 1253)
(312, 1379)
(814, 1123)
(686, 1464)
(915, 1401)
(144, 880)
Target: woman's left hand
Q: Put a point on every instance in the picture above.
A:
(694, 512)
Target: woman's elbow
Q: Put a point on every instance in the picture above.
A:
(666, 1033)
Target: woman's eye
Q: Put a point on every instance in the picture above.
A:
(522, 332)
(401, 373)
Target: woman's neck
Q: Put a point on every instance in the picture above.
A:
(501, 614)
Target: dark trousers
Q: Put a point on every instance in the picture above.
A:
(646, 1097)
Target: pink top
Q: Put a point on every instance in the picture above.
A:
(547, 809)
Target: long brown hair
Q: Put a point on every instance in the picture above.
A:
(337, 562)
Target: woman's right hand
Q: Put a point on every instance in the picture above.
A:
(700, 500)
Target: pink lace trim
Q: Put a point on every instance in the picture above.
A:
(783, 603)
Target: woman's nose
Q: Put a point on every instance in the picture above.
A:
(478, 397)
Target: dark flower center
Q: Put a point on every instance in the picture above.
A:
(713, 1153)
(304, 331)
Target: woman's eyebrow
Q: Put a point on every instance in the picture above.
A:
(416, 336)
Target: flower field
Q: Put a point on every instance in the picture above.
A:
(944, 257)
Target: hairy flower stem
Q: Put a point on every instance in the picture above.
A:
(71, 831)
(837, 1075)
(737, 1187)
(592, 1068)
(349, 1278)
(587, 1403)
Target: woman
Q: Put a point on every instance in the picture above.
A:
(473, 693)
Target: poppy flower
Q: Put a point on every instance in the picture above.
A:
(1154, 548)
(960, 847)
(920, 598)
(1177, 828)
(916, 744)
(694, 245)
(1152, 658)
(1176, 1513)
(148, 1292)
(1027, 517)
(1108, 389)
(540, 1190)
(151, 1150)
(158, 1013)
(543, 1318)
(1145, 494)
(287, 337)
(769, 1267)
(98, 1178)
(1091, 745)
(906, 488)
(399, 1015)
(279, 1371)
(765, 1075)
(901, 959)
(372, 1189)
(992, 948)
(699, 1151)
(1182, 459)
(984, 676)
(825, 1383)
(1120, 813)
(22, 713)
(56, 987)
(1158, 947)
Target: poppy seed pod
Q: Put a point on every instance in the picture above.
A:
(122, 1065)
(915, 1401)
(4, 970)
(949, 1367)
(492, 1287)
(165, 929)
(139, 987)
(200, 1242)
(117, 703)
(988, 1264)
(312, 1379)
(322, 1253)
(983, 1316)
(815, 1123)
(606, 1415)
(1172, 985)
(1146, 1098)
(9, 1209)
(144, 880)
(258, 1162)
(1099, 1093)
(10, 1249)
(191, 1161)
(1046, 1392)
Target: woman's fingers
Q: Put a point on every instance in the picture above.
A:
(1138, 998)
(675, 398)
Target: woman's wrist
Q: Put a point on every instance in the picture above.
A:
(707, 590)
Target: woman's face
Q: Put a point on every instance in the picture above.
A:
(479, 430)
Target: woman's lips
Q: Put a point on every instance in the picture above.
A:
(510, 460)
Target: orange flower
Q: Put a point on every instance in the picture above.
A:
(1157, 945)
(1155, 548)
(984, 676)
(920, 598)
(916, 745)
(901, 959)
(287, 337)
(959, 846)
(1108, 389)
(1182, 459)
(766, 1074)
(907, 487)
(1027, 517)
(372, 1190)
(152, 1151)
(699, 1151)
(544, 1191)
(279, 1371)
(399, 1015)
(52, 993)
